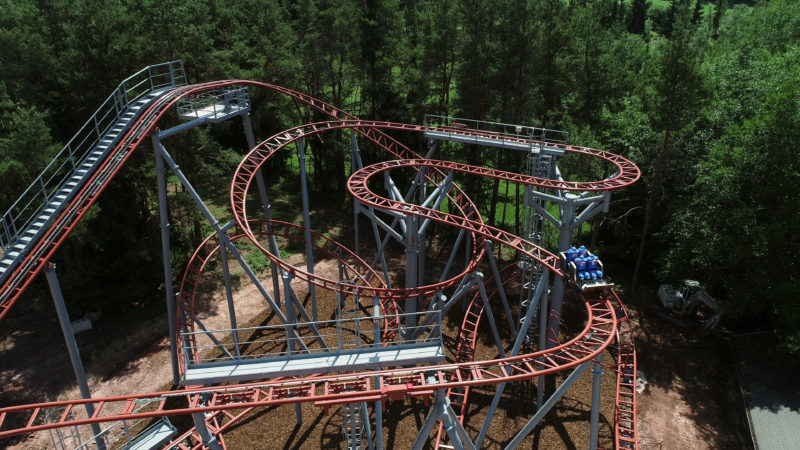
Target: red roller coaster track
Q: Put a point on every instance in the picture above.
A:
(602, 328)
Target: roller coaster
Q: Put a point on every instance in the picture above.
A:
(385, 342)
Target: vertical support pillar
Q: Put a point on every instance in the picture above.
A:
(422, 244)
(301, 156)
(226, 273)
(500, 289)
(166, 256)
(543, 317)
(412, 259)
(355, 164)
(291, 335)
(564, 241)
(377, 325)
(597, 385)
(72, 347)
(209, 440)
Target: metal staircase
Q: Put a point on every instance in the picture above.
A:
(27, 221)
(538, 165)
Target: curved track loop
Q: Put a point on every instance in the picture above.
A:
(627, 173)
(209, 249)
(246, 172)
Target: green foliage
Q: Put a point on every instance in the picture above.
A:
(25, 147)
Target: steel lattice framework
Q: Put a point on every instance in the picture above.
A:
(606, 323)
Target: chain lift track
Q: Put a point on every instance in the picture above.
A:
(606, 319)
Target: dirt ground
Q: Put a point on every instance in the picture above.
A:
(690, 402)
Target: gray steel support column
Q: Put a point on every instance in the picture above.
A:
(597, 385)
(412, 258)
(209, 440)
(548, 405)
(291, 334)
(166, 256)
(423, 254)
(301, 157)
(72, 347)
(543, 318)
(500, 289)
(223, 255)
(452, 256)
(422, 243)
(365, 417)
(355, 164)
(273, 243)
(447, 423)
(455, 429)
(376, 334)
(489, 314)
(224, 237)
(564, 242)
(379, 425)
(529, 316)
(430, 420)
(262, 193)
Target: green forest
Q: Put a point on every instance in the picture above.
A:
(703, 95)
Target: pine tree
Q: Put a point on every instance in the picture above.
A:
(637, 16)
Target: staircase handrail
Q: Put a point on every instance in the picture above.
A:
(27, 207)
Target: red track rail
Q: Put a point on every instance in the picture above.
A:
(625, 426)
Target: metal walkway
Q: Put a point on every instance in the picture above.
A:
(304, 364)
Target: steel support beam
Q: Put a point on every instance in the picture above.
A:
(166, 255)
(72, 347)
(262, 193)
(224, 240)
(412, 272)
(521, 333)
(487, 310)
(548, 405)
(209, 440)
(301, 157)
(223, 255)
(291, 333)
(442, 411)
(597, 385)
(500, 289)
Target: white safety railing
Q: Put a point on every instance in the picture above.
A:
(214, 104)
(126, 433)
(28, 206)
(501, 131)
